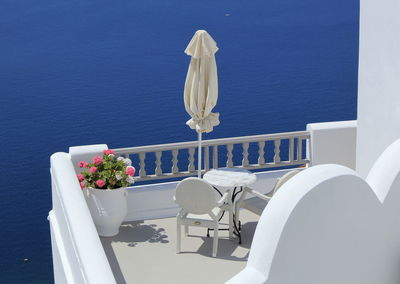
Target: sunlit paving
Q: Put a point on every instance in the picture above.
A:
(150, 247)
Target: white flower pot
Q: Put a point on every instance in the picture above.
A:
(108, 209)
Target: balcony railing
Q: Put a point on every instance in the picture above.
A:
(248, 152)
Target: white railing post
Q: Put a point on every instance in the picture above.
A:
(229, 155)
(206, 158)
(191, 167)
(245, 161)
(142, 170)
(291, 149)
(175, 168)
(158, 163)
(277, 157)
(215, 156)
(261, 159)
(299, 149)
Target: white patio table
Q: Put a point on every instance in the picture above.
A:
(230, 179)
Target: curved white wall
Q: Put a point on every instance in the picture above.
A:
(328, 225)
(379, 80)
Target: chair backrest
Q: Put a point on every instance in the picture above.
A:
(284, 179)
(195, 196)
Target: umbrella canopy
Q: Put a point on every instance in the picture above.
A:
(201, 85)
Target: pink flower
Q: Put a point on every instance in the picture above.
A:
(108, 152)
(82, 185)
(130, 171)
(80, 177)
(81, 164)
(100, 183)
(97, 160)
(93, 170)
(85, 165)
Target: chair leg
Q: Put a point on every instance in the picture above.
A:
(215, 243)
(186, 230)
(178, 236)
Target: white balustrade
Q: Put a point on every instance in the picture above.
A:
(294, 150)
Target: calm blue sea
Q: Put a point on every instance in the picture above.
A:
(95, 71)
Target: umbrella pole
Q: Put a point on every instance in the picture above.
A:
(199, 157)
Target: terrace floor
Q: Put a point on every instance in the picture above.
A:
(145, 252)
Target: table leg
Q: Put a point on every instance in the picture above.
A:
(236, 231)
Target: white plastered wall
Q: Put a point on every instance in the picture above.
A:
(333, 143)
(379, 81)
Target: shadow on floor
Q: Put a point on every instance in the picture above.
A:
(227, 247)
(137, 232)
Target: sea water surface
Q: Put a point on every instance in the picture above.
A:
(96, 71)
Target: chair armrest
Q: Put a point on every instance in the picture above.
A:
(223, 199)
(259, 195)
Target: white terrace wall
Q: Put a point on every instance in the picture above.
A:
(333, 143)
(328, 225)
(78, 255)
(379, 80)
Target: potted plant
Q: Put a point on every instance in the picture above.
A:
(104, 182)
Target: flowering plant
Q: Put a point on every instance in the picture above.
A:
(107, 172)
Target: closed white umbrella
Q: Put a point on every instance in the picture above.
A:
(201, 86)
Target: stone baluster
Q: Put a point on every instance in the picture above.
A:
(299, 149)
(229, 155)
(245, 161)
(261, 159)
(191, 167)
(277, 157)
(158, 163)
(291, 150)
(142, 170)
(215, 156)
(206, 158)
(175, 168)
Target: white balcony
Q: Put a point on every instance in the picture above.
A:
(144, 250)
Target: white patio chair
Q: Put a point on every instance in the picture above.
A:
(257, 203)
(201, 208)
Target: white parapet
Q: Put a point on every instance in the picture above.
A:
(78, 255)
(333, 143)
